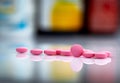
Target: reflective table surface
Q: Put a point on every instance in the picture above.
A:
(14, 70)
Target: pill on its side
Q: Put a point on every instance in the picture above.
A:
(66, 53)
(77, 50)
(36, 51)
(101, 55)
(108, 53)
(50, 52)
(89, 54)
(58, 52)
(21, 49)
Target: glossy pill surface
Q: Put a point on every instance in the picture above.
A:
(101, 55)
(76, 50)
(66, 53)
(36, 51)
(108, 53)
(21, 49)
(50, 52)
(88, 54)
(58, 52)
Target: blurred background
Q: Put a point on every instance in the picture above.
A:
(53, 24)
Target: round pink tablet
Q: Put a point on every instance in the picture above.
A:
(101, 55)
(50, 52)
(21, 49)
(89, 54)
(76, 50)
(36, 51)
(66, 53)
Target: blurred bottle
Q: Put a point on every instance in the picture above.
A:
(103, 16)
(15, 17)
(67, 16)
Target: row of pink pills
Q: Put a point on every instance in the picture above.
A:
(76, 51)
(58, 52)
(33, 51)
(47, 52)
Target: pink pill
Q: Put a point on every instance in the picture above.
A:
(101, 55)
(108, 53)
(50, 52)
(36, 51)
(88, 54)
(58, 52)
(77, 50)
(21, 49)
(66, 53)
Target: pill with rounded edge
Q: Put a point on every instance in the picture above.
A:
(50, 52)
(58, 52)
(89, 54)
(101, 55)
(76, 50)
(21, 49)
(66, 53)
(36, 51)
(108, 53)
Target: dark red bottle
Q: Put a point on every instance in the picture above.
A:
(103, 16)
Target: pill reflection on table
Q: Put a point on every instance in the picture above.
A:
(76, 64)
(102, 61)
(35, 58)
(22, 56)
(87, 60)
